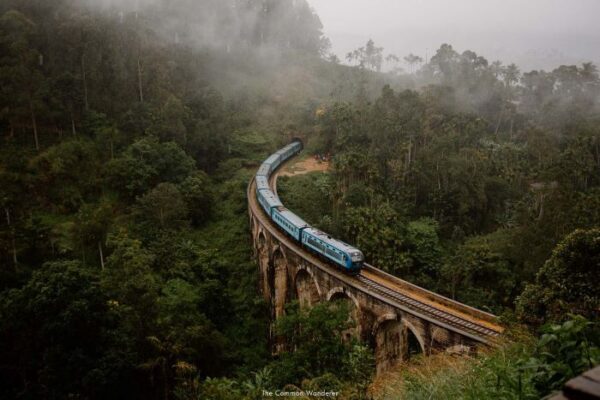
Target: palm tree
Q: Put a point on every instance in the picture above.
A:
(166, 358)
(411, 60)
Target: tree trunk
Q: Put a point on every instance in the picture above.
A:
(437, 170)
(499, 121)
(541, 213)
(14, 250)
(101, 254)
(13, 240)
(85, 87)
(73, 129)
(165, 379)
(83, 252)
(407, 162)
(140, 87)
(34, 124)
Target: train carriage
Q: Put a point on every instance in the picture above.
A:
(268, 200)
(289, 222)
(290, 150)
(348, 257)
(262, 183)
(264, 170)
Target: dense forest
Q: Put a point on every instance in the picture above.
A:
(475, 178)
(129, 132)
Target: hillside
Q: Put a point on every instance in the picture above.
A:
(128, 134)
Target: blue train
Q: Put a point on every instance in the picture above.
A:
(349, 258)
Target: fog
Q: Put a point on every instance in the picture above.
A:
(535, 34)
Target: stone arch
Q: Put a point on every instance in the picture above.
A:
(280, 283)
(339, 293)
(261, 240)
(307, 288)
(388, 336)
(412, 341)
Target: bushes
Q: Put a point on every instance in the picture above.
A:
(567, 283)
(524, 369)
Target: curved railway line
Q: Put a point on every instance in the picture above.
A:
(454, 316)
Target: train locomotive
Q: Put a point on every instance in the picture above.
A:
(346, 257)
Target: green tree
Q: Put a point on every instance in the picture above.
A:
(172, 121)
(145, 164)
(380, 233)
(22, 81)
(563, 352)
(162, 207)
(479, 273)
(91, 227)
(369, 56)
(198, 195)
(412, 60)
(131, 283)
(567, 281)
(314, 337)
(62, 174)
(60, 336)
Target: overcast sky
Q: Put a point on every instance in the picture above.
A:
(532, 33)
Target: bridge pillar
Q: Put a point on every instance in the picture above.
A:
(388, 336)
(262, 253)
(307, 288)
(280, 284)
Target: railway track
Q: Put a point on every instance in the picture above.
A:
(424, 308)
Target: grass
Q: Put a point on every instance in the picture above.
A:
(492, 374)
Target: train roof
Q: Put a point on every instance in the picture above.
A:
(331, 241)
(273, 158)
(271, 198)
(262, 182)
(293, 218)
(289, 147)
(263, 170)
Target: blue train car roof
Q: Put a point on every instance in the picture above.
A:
(331, 241)
(262, 182)
(293, 218)
(273, 158)
(271, 198)
(264, 170)
(288, 147)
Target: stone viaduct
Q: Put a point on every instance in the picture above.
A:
(395, 317)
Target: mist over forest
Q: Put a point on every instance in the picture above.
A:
(537, 34)
(129, 131)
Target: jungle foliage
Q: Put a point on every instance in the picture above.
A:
(468, 186)
(128, 134)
